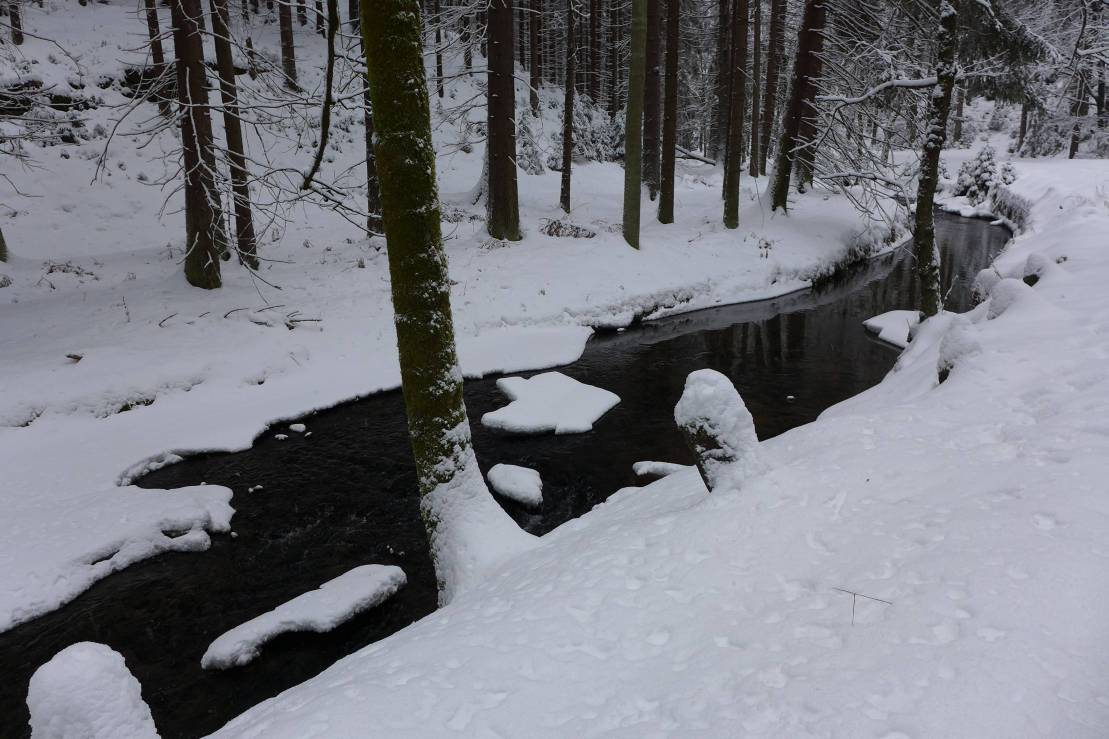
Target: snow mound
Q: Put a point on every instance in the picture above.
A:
(719, 428)
(320, 610)
(86, 692)
(549, 402)
(893, 326)
(65, 554)
(657, 469)
(521, 484)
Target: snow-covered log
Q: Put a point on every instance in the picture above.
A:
(719, 429)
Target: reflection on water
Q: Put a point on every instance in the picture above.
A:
(346, 495)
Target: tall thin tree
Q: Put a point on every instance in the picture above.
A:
(568, 108)
(633, 123)
(738, 107)
(288, 51)
(925, 251)
(652, 99)
(157, 53)
(503, 209)
(756, 72)
(670, 112)
(775, 52)
(535, 20)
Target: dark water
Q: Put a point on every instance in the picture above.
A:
(345, 496)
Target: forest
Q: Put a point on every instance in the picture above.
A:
(553, 367)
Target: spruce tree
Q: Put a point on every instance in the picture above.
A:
(670, 112)
(503, 196)
(633, 123)
(568, 109)
(737, 107)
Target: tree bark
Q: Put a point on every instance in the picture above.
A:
(1079, 111)
(438, 49)
(652, 102)
(775, 50)
(756, 73)
(534, 23)
(16, 22)
(738, 107)
(302, 12)
(802, 92)
(3, 247)
(1023, 124)
(806, 131)
(202, 212)
(236, 155)
(615, 33)
(455, 504)
(957, 126)
(925, 252)
(503, 199)
(568, 109)
(288, 52)
(633, 123)
(157, 53)
(670, 112)
(595, 7)
(722, 83)
(373, 191)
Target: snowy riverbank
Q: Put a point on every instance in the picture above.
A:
(975, 507)
(112, 365)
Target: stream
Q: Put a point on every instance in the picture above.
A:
(346, 494)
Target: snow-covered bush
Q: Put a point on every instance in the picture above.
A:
(978, 176)
(593, 135)
(1045, 137)
(528, 156)
(718, 429)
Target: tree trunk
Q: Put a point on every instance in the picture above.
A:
(455, 504)
(302, 12)
(957, 126)
(652, 101)
(202, 212)
(568, 109)
(373, 192)
(756, 73)
(288, 53)
(738, 107)
(1023, 125)
(807, 130)
(16, 22)
(722, 83)
(595, 50)
(670, 111)
(633, 123)
(236, 156)
(775, 50)
(534, 23)
(925, 252)
(319, 17)
(1079, 111)
(157, 53)
(615, 65)
(801, 93)
(3, 247)
(467, 41)
(503, 200)
(438, 49)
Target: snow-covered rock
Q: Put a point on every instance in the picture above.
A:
(549, 402)
(521, 484)
(333, 603)
(657, 469)
(894, 326)
(86, 692)
(718, 426)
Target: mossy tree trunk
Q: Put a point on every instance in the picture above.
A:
(236, 156)
(466, 528)
(670, 112)
(503, 197)
(737, 108)
(925, 251)
(802, 92)
(203, 220)
(568, 108)
(633, 123)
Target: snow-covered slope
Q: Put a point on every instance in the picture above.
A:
(973, 510)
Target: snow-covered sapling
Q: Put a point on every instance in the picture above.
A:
(719, 429)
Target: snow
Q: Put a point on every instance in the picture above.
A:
(656, 469)
(86, 692)
(550, 401)
(320, 610)
(521, 484)
(715, 419)
(974, 506)
(57, 546)
(168, 370)
(894, 326)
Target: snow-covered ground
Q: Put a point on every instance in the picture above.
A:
(974, 510)
(163, 369)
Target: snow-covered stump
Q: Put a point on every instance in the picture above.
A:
(86, 691)
(719, 429)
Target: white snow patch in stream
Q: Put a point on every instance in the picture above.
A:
(330, 605)
(549, 402)
(521, 484)
(86, 692)
(893, 326)
(649, 468)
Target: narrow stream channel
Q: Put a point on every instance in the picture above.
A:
(345, 495)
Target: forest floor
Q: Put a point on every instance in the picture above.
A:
(974, 509)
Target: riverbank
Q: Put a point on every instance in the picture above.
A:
(973, 509)
(114, 366)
